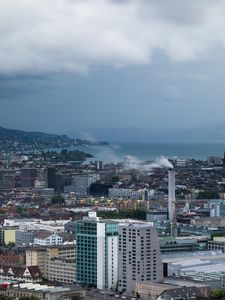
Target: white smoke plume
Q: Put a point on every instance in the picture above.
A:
(163, 162)
(131, 162)
(88, 137)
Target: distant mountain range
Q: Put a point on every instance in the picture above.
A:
(211, 132)
(19, 140)
(214, 132)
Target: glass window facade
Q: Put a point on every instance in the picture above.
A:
(86, 234)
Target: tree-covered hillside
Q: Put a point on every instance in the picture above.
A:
(19, 140)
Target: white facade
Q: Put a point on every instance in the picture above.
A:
(36, 224)
(82, 182)
(217, 208)
(107, 258)
(52, 239)
(101, 256)
(62, 270)
(140, 194)
(125, 193)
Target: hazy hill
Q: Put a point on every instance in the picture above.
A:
(19, 140)
(208, 132)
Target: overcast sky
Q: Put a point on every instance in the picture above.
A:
(67, 64)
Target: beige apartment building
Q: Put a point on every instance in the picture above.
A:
(54, 259)
(62, 270)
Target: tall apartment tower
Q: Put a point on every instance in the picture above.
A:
(139, 257)
(28, 177)
(97, 252)
(51, 177)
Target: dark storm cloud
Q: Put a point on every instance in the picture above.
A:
(15, 87)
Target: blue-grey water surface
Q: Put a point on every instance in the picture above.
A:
(116, 151)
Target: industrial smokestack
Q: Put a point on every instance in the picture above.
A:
(171, 196)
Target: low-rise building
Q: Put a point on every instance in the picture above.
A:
(184, 293)
(62, 270)
(171, 287)
(25, 237)
(43, 292)
(47, 238)
(218, 243)
(15, 257)
(41, 256)
(27, 274)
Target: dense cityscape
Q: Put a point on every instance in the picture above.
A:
(76, 228)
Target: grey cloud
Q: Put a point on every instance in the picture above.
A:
(195, 76)
(14, 87)
(171, 92)
(55, 36)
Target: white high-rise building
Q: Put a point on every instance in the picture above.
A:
(107, 255)
(97, 252)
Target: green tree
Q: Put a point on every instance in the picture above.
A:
(123, 214)
(20, 209)
(10, 245)
(115, 179)
(29, 298)
(2, 297)
(76, 297)
(217, 293)
(58, 199)
(208, 195)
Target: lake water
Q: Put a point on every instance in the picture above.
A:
(116, 151)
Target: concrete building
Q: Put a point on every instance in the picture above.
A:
(35, 224)
(217, 244)
(139, 257)
(176, 287)
(28, 177)
(97, 252)
(217, 208)
(9, 235)
(41, 256)
(42, 292)
(203, 266)
(125, 193)
(51, 177)
(43, 177)
(25, 237)
(14, 257)
(47, 238)
(178, 244)
(70, 227)
(62, 270)
(156, 215)
(209, 222)
(184, 293)
(59, 182)
(82, 182)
